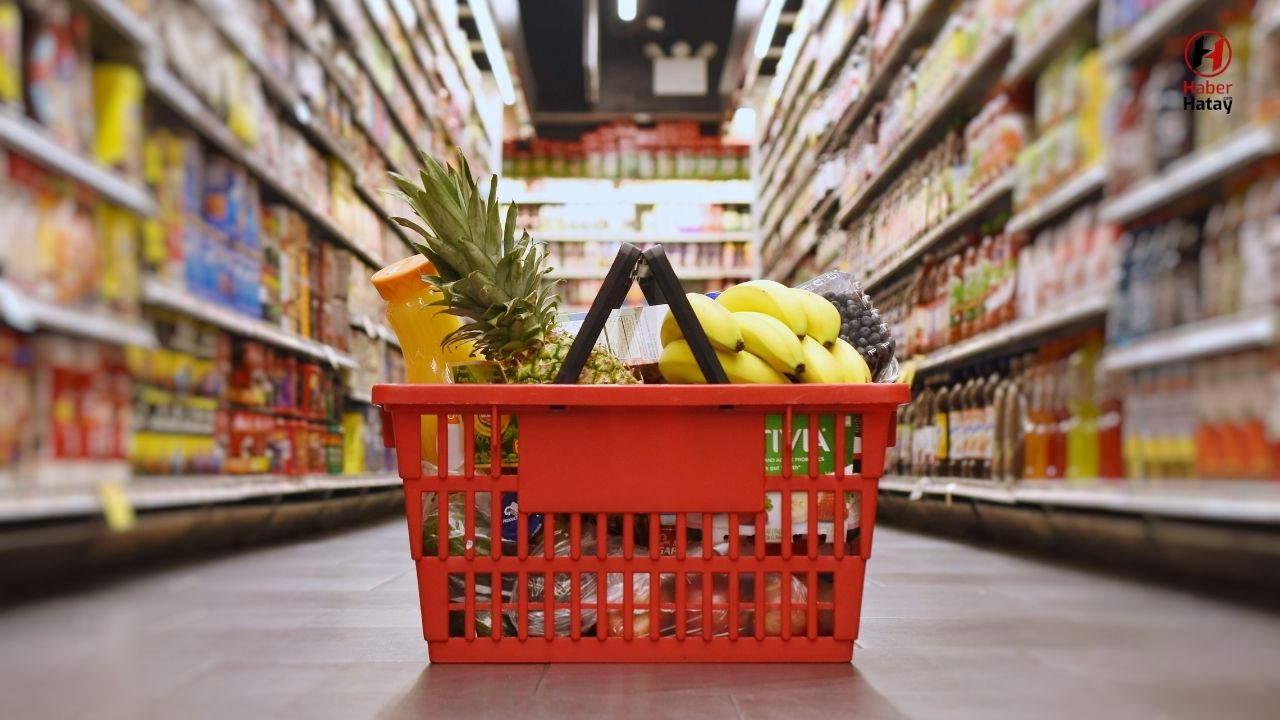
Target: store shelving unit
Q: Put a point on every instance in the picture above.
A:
(1019, 332)
(639, 236)
(1208, 500)
(1066, 196)
(169, 492)
(1029, 60)
(979, 204)
(31, 140)
(1211, 336)
(1151, 30)
(1194, 172)
(173, 92)
(160, 295)
(979, 76)
(587, 191)
(791, 230)
(44, 491)
(29, 314)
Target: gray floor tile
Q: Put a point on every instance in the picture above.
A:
(331, 629)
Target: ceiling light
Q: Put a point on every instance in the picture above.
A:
(627, 10)
(493, 50)
(768, 24)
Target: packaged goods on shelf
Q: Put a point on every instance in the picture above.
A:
(80, 412)
(17, 386)
(667, 151)
(634, 217)
(1073, 95)
(943, 182)
(1035, 417)
(12, 63)
(58, 70)
(1213, 418)
(1180, 271)
(77, 249)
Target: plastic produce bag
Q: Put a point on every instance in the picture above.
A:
(562, 585)
(860, 323)
(457, 547)
(721, 619)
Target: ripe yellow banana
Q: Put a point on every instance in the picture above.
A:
(678, 366)
(770, 298)
(855, 368)
(716, 321)
(772, 341)
(819, 365)
(822, 318)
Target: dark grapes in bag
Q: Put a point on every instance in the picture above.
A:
(860, 323)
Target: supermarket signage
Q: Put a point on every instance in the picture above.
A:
(1208, 54)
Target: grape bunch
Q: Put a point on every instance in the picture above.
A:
(861, 327)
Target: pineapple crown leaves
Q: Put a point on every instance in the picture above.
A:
(484, 273)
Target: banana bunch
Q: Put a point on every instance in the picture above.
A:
(764, 332)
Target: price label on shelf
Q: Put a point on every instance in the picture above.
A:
(116, 508)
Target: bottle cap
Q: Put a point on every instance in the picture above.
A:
(400, 279)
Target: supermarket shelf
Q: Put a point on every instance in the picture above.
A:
(396, 61)
(1212, 336)
(819, 76)
(1151, 30)
(161, 295)
(307, 39)
(29, 139)
(794, 110)
(1066, 196)
(279, 89)
(555, 191)
(1029, 61)
(777, 211)
(173, 92)
(925, 21)
(1086, 307)
(375, 329)
(1194, 172)
(683, 274)
(1212, 500)
(642, 237)
(344, 23)
(125, 20)
(161, 492)
(785, 266)
(361, 396)
(28, 314)
(986, 199)
(980, 74)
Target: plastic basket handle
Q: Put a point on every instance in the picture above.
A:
(659, 282)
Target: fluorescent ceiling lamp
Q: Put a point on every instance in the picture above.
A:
(493, 50)
(626, 10)
(768, 24)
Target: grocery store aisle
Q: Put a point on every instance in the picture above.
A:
(329, 629)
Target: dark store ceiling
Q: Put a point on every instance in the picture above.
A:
(548, 38)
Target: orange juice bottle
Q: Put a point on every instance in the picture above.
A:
(421, 328)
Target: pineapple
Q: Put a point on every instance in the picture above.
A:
(493, 280)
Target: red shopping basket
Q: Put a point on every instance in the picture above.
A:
(656, 523)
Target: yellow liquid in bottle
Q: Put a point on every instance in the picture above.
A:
(421, 328)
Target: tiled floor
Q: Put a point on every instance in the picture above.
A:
(330, 629)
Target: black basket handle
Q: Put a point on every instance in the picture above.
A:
(659, 283)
